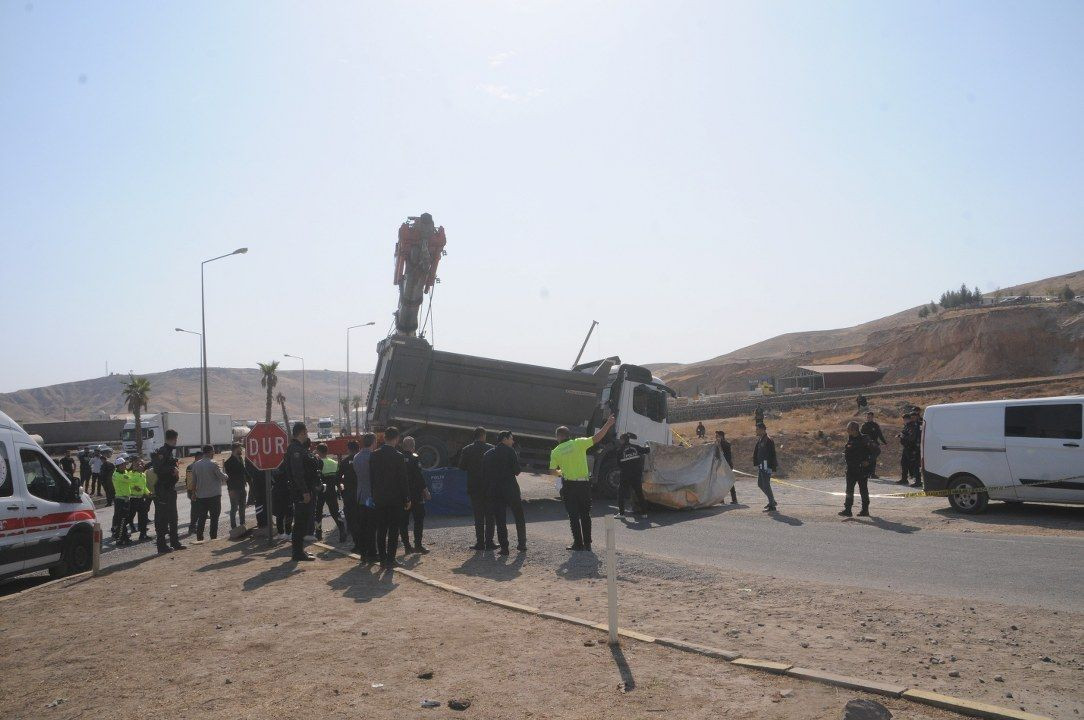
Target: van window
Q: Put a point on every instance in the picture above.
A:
(42, 480)
(1061, 421)
(7, 487)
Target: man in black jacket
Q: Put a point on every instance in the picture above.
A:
(858, 454)
(349, 479)
(257, 494)
(236, 484)
(631, 463)
(165, 495)
(871, 430)
(500, 466)
(470, 459)
(297, 469)
(388, 475)
(765, 462)
(723, 450)
(418, 493)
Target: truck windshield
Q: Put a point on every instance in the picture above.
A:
(649, 402)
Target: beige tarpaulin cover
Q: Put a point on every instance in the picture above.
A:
(686, 477)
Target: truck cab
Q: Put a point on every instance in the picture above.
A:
(149, 432)
(324, 428)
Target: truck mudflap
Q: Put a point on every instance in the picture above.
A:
(686, 477)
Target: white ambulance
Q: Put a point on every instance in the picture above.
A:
(46, 522)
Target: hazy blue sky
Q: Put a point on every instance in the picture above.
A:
(694, 175)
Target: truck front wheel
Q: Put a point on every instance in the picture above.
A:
(609, 481)
(432, 452)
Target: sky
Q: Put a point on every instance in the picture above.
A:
(695, 176)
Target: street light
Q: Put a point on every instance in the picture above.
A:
(348, 398)
(304, 415)
(203, 326)
(193, 332)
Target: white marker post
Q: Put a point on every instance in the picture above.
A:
(611, 578)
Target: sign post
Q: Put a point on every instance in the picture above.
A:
(265, 447)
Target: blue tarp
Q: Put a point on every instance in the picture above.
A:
(449, 489)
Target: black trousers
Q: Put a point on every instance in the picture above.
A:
(350, 512)
(140, 508)
(165, 520)
(329, 497)
(909, 465)
(366, 539)
(283, 509)
(416, 511)
(857, 477)
(630, 485)
(502, 501)
(483, 518)
(95, 487)
(577, 497)
(209, 507)
(237, 505)
(876, 453)
(387, 531)
(110, 493)
(121, 516)
(302, 517)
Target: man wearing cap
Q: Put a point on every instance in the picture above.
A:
(871, 429)
(569, 461)
(764, 460)
(857, 454)
(121, 508)
(138, 498)
(631, 463)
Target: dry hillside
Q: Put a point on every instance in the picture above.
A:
(232, 390)
(1007, 341)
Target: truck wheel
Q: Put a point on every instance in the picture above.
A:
(432, 452)
(609, 483)
(77, 556)
(969, 495)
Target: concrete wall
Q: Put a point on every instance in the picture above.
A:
(76, 432)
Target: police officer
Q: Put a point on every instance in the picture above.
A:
(701, 431)
(296, 470)
(313, 471)
(871, 429)
(329, 493)
(419, 493)
(118, 477)
(723, 450)
(631, 462)
(857, 455)
(138, 498)
(501, 466)
(470, 459)
(910, 438)
(164, 463)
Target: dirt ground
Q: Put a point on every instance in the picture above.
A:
(227, 630)
(910, 640)
(810, 440)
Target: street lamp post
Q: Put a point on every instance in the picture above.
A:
(304, 413)
(202, 441)
(203, 340)
(348, 398)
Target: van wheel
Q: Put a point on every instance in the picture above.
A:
(969, 495)
(77, 556)
(432, 452)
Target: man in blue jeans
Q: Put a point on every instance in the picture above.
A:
(765, 462)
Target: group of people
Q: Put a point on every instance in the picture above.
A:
(88, 464)
(864, 447)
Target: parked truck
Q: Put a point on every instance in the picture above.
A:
(187, 425)
(325, 428)
(439, 397)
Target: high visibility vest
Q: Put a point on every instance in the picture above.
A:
(331, 467)
(137, 483)
(122, 484)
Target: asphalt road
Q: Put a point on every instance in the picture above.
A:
(804, 541)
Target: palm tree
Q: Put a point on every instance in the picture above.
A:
(356, 402)
(136, 392)
(269, 380)
(281, 400)
(345, 403)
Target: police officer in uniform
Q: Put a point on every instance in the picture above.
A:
(328, 493)
(631, 463)
(470, 459)
(419, 493)
(118, 477)
(164, 463)
(910, 457)
(857, 455)
(871, 429)
(297, 468)
(501, 466)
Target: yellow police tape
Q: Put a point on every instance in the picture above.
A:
(921, 493)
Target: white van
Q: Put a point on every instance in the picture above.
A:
(1018, 450)
(46, 522)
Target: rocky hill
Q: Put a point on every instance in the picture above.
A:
(998, 341)
(232, 390)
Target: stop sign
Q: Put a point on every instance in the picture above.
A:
(266, 445)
